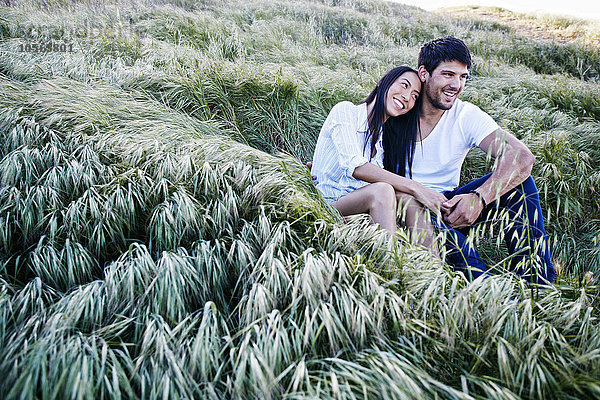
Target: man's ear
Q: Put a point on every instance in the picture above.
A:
(423, 74)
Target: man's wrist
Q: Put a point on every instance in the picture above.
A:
(480, 197)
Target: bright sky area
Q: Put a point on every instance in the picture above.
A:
(587, 9)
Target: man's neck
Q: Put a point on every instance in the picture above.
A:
(430, 116)
(430, 113)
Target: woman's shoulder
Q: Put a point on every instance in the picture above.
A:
(347, 108)
(346, 105)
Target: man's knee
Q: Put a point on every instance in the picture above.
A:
(529, 183)
(524, 190)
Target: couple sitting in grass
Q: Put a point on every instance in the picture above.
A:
(403, 147)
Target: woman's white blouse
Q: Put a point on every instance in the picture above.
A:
(341, 148)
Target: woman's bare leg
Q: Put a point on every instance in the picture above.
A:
(417, 220)
(377, 199)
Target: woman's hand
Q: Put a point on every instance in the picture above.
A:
(431, 199)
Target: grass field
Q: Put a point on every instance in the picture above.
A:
(160, 236)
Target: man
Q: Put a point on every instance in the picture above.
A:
(449, 128)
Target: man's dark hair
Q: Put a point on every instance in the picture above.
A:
(442, 50)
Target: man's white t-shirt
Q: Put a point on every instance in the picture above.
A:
(438, 158)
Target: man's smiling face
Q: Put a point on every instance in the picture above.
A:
(444, 84)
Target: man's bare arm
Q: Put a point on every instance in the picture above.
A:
(513, 165)
(514, 162)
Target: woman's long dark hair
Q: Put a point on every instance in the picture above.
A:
(399, 141)
(399, 133)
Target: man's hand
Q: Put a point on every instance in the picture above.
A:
(462, 210)
(314, 177)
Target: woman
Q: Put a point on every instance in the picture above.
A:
(348, 160)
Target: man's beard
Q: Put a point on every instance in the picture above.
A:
(437, 102)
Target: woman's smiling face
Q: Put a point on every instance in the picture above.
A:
(402, 94)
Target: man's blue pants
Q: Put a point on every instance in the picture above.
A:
(521, 222)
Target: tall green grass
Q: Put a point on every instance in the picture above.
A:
(160, 235)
